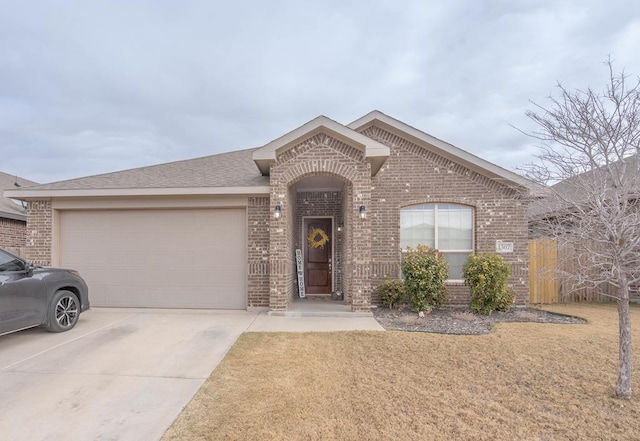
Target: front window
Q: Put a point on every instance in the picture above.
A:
(445, 227)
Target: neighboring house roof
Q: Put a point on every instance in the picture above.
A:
(245, 171)
(574, 190)
(8, 208)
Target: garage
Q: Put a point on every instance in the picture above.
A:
(159, 258)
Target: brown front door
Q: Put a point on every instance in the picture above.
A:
(317, 268)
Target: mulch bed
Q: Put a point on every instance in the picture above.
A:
(463, 321)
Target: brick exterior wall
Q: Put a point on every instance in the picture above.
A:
(320, 155)
(258, 215)
(39, 232)
(368, 250)
(413, 175)
(12, 233)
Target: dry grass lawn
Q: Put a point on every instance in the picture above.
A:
(525, 381)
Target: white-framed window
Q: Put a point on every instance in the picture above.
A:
(445, 227)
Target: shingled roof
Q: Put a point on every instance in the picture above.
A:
(242, 172)
(8, 208)
(233, 169)
(584, 187)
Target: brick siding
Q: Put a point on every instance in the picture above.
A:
(320, 155)
(367, 250)
(258, 215)
(12, 233)
(39, 232)
(413, 175)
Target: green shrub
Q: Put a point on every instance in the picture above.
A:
(486, 276)
(392, 292)
(425, 273)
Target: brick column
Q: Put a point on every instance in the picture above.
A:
(360, 283)
(258, 251)
(39, 232)
(279, 246)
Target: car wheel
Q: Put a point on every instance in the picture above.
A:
(63, 312)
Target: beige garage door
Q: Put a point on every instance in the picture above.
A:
(158, 258)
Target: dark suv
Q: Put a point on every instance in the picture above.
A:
(36, 296)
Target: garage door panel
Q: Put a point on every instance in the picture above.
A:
(158, 258)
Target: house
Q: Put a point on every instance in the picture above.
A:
(222, 231)
(586, 190)
(13, 215)
(588, 224)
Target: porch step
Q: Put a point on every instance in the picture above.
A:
(319, 308)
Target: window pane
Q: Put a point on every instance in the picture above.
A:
(417, 226)
(455, 261)
(455, 227)
(455, 231)
(9, 263)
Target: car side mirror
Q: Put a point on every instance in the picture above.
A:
(28, 268)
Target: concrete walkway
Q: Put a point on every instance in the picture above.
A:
(313, 323)
(124, 374)
(306, 315)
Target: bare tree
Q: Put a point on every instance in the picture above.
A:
(590, 159)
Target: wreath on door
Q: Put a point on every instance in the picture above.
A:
(317, 238)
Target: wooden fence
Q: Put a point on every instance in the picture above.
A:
(546, 259)
(543, 263)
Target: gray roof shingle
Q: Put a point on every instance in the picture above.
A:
(581, 188)
(8, 208)
(233, 169)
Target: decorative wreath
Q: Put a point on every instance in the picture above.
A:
(314, 242)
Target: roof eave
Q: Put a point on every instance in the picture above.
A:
(376, 162)
(28, 195)
(264, 165)
(13, 216)
(374, 152)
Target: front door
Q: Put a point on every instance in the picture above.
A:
(318, 244)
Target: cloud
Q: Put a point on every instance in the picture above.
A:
(92, 87)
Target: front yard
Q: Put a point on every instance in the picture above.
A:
(523, 381)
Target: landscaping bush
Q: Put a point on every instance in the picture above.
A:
(486, 276)
(425, 273)
(392, 293)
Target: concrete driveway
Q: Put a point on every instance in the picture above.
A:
(121, 374)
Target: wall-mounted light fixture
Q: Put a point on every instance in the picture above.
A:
(277, 212)
(363, 212)
(339, 228)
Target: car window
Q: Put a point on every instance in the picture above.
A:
(10, 263)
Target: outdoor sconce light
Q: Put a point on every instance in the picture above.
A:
(339, 228)
(363, 212)
(277, 212)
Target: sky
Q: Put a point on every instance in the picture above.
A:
(90, 87)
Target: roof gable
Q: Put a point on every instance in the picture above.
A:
(375, 152)
(444, 149)
(245, 171)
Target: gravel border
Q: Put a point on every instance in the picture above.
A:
(463, 321)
